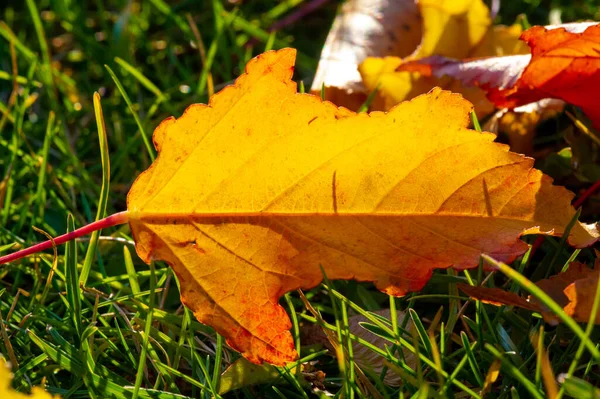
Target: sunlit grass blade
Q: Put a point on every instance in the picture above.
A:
(339, 323)
(508, 367)
(370, 98)
(562, 244)
(405, 343)
(164, 8)
(578, 388)
(459, 367)
(475, 121)
(131, 272)
(140, 77)
(72, 280)
(421, 331)
(40, 193)
(39, 30)
(144, 351)
(140, 126)
(471, 358)
(103, 200)
(10, 36)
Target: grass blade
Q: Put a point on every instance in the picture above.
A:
(138, 122)
(141, 78)
(515, 373)
(144, 351)
(40, 192)
(471, 358)
(103, 200)
(72, 279)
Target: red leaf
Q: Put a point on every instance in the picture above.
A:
(564, 63)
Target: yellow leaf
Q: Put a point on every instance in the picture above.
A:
(364, 28)
(451, 28)
(251, 194)
(395, 87)
(499, 41)
(492, 375)
(6, 392)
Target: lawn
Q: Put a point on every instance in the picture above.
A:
(93, 320)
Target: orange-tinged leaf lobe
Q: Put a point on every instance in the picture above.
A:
(252, 193)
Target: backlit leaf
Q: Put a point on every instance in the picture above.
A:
(251, 194)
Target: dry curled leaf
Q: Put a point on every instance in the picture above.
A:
(368, 360)
(574, 290)
(564, 63)
(251, 194)
(496, 296)
(373, 362)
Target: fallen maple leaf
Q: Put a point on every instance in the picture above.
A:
(574, 290)
(251, 194)
(564, 63)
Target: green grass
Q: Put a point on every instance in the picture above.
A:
(99, 323)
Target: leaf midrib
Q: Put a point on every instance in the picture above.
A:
(142, 216)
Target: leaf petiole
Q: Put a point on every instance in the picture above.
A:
(109, 221)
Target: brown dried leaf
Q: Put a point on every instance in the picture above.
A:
(574, 290)
(497, 297)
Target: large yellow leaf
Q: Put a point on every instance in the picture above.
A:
(251, 194)
(452, 28)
